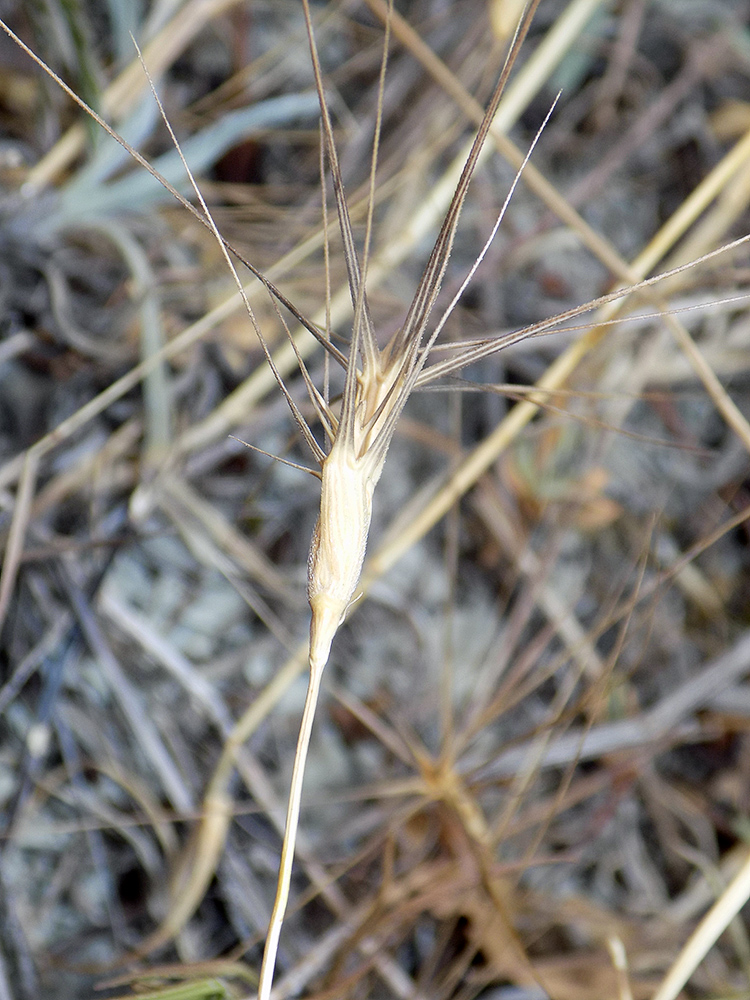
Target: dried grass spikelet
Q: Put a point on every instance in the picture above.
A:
(375, 394)
(350, 473)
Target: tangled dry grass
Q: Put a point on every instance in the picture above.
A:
(529, 775)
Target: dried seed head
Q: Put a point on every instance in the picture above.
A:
(349, 475)
(338, 545)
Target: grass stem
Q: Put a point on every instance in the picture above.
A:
(290, 837)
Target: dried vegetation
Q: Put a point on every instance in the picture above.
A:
(530, 774)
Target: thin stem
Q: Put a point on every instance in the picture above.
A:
(290, 833)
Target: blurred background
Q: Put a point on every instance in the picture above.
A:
(530, 772)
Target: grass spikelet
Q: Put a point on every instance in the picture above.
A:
(374, 397)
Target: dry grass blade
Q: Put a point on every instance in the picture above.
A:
(186, 24)
(706, 934)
